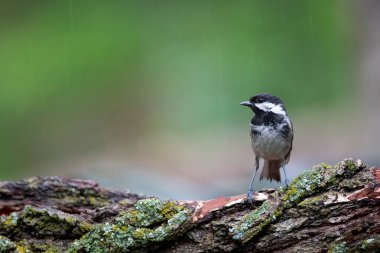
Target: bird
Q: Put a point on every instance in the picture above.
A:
(271, 133)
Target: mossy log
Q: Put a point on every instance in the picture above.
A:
(325, 209)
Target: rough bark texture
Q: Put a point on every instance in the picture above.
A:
(327, 208)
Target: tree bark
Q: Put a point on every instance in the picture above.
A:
(327, 208)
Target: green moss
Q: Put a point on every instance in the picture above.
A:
(305, 185)
(6, 245)
(44, 222)
(151, 221)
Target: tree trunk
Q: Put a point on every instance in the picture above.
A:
(327, 208)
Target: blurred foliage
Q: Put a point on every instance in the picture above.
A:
(75, 74)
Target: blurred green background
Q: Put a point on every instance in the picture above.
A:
(145, 94)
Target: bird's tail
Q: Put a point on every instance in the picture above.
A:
(271, 170)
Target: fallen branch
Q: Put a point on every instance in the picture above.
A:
(334, 208)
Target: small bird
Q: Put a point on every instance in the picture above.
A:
(271, 133)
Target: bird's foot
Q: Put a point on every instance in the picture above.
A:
(286, 183)
(250, 198)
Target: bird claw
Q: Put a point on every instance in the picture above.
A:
(250, 198)
(286, 183)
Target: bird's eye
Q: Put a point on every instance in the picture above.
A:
(260, 100)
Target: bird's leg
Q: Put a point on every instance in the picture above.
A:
(286, 178)
(250, 189)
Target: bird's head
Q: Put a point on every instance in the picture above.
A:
(265, 103)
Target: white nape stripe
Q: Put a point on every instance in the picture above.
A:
(270, 107)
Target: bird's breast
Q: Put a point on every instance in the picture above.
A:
(268, 142)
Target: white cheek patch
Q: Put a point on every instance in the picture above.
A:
(270, 107)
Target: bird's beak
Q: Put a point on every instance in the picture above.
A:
(246, 103)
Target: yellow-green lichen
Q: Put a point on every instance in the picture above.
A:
(147, 212)
(307, 184)
(242, 229)
(125, 202)
(44, 222)
(339, 248)
(304, 185)
(313, 201)
(151, 221)
(37, 247)
(79, 193)
(369, 245)
(351, 166)
(6, 245)
(22, 249)
(82, 199)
